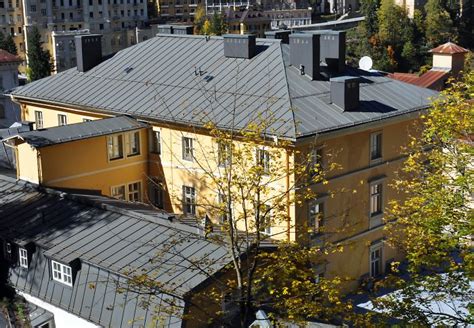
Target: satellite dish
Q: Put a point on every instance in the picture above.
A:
(365, 63)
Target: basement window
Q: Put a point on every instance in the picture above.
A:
(62, 273)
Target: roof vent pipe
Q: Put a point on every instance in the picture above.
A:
(345, 92)
(304, 53)
(240, 46)
(88, 51)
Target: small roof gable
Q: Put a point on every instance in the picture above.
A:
(449, 48)
(79, 131)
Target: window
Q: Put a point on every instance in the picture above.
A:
(23, 258)
(115, 146)
(7, 250)
(376, 259)
(224, 154)
(62, 120)
(133, 143)
(62, 273)
(91, 14)
(315, 217)
(315, 163)
(187, 148)
(2, 111)
(134, 193)
(1, 83)
(33, 8)
(189, 200)
(376, 199)
(263, 160)
(86, 120)
(155, 192)
(155, 142)
(39, 119)
(223, 207)
(264, 220)
(118, 192)
(376, 146)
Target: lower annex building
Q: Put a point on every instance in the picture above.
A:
(325, 110)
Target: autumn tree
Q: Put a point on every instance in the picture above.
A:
(199, 19)
(39, 59)
(435, 215)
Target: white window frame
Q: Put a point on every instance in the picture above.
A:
(132, 140)
(189, 193)
(61, 273)
(23, 257)
(263, 159)
(39, 119)
(376, 141)
(376, 247)
(114, 192)
(376, 199)
(114, 144)
(221, 200)
(316, 157)
(224, 154)
(187, 144)
(267, 229)
(318, 218)
(62, 119)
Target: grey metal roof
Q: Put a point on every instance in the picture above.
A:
(79, 131)
(111, 241)
(186, 79)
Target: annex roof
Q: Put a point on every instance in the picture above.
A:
(433, 79)
(112, 240)
(6, 57)
(449, 48)
(79, 131)
(159, 80)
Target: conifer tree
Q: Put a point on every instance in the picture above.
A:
(39, 60)
(438, 23)
(9, 45)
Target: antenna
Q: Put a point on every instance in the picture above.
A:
(366, 63)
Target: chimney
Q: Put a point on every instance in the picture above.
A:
(182, 29)
(345, 92)
(283, 35)
(88, 51)
(240, 46)
(333, 49)
(304, 53)
(165, 29)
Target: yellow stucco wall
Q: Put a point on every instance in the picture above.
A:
(84, 164)
(27, 163)
(442, 60)
(346, 214)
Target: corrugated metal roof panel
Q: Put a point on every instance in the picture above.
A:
(109, 243)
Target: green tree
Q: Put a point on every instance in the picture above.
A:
(439, 26)
(217, 24)
(9, 45)
(436, 215)
(39, 60)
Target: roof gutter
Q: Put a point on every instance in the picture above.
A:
(358, 127)
(89, 110)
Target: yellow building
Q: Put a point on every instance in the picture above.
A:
(358, 120)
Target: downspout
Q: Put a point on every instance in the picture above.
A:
(38, 157)
(288, 234)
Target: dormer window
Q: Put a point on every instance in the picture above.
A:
(62, 273)
(23, 254)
